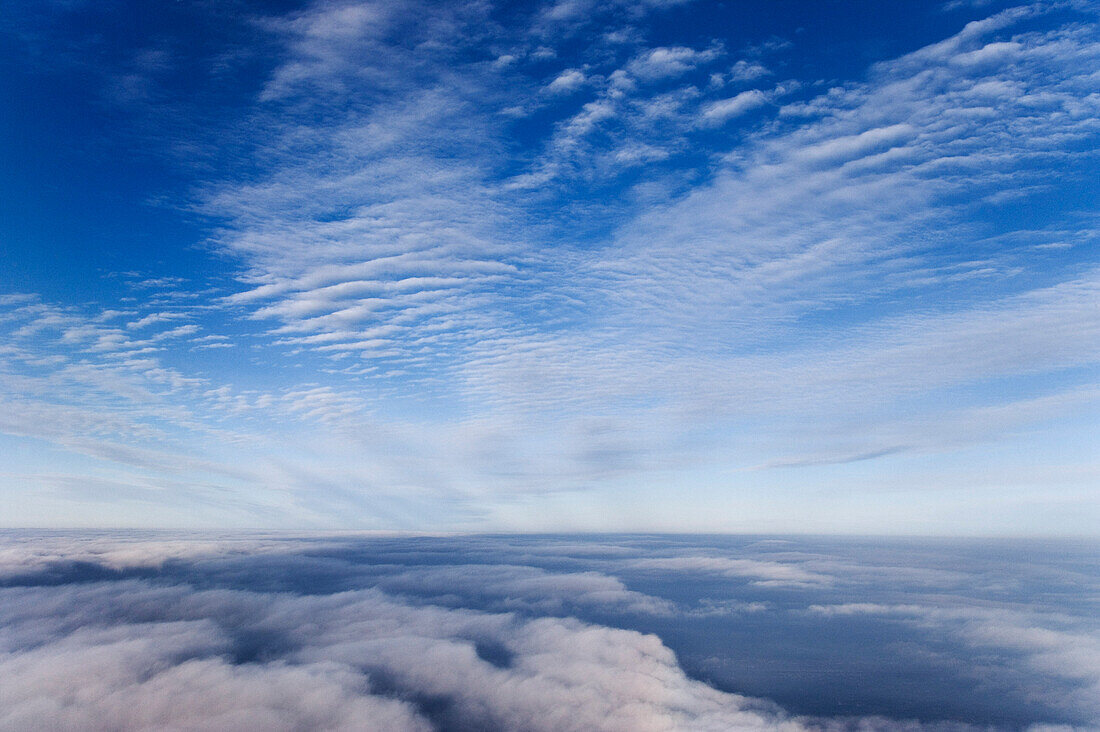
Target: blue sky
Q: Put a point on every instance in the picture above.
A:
(754, 266)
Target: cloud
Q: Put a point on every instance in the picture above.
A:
(762, 572)
(747, 70)
(716, 113)
(152, 318)
(171, 675)
(669, 61)
(435, 321)
(527, 588)
(825, 207)
(418, 632)
(135, 654)
(567, 81)
(1068, 654)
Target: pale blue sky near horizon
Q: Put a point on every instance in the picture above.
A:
(769, 267)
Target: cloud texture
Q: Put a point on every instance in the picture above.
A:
(269, 632)
(452, 264)
(135, 655)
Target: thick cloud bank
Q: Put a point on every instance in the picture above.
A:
(494, 633)
(134, 655)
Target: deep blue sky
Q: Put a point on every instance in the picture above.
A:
(793, 266)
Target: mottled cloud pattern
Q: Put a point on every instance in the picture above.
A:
(453, 261)
(553, 633)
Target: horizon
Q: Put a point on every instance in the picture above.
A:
(550, 365)
(547, 533)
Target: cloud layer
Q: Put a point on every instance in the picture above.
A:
(420, 633)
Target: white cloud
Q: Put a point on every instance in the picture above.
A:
(530, 589)
(567, 81)
(152, 318)
(762, 572)
(135, 656)
(131, 678)
(719, 112)
(189, 631)
(480, 332)
(666, 62)
(747, 70)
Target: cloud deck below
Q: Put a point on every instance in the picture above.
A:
(617, 632)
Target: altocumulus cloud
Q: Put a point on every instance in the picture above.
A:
(472, 256)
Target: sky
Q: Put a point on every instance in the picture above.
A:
(633, 633)
(756, 266)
